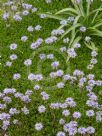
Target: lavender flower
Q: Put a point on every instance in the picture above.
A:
(60, 133)
(90, 113)
(38, 126)
(76, 115)
(66, 113)
(90, 130)
(41, 109)
(24, 38)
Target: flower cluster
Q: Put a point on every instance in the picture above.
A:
(8, 114)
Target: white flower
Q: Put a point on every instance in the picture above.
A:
(66, 40)
(94, 53)
(83, 29)
(71, 53)
(15, 121)
(38, 28)
(90, 113)
(13, 46)
(26, 6)
(87, 39)
(34, 10)
(77, 45)
(30, 29)
(50, 56)
(76, 115)
(60, 85)
(41, 109)
(59, 73)
(37, 87)
(13, 8)
(7, 99)
(25, 110)
(13, 111)
(5, 16)
(8, 64)
(24, 38)
(17, 17)
(42, 16)
(28, 62)
(6, 123)
(50, 40)
(31, 76)
(42, 56)
(60, 133)
(56, 32)
(63, 49)
(66, 77)
(61, 121)
(63, 22)
(38, 126)
(90, 130)
(66, 113)
(28, 92)
(16, 76)
(90, 66)
(81, 130)
(93, 61)
(44, 95)
(55, 64)
(77, 1)
(70, 19)
(99, 116)
(48, 1)
(13, 57)
(25, 12)
(37, 43)
(4, 116)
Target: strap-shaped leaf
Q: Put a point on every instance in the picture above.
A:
(81, 8)
(73, 31)
(90, 45)
(96, 14)
(66, 10)
(70, 29)
(95, 31)
(61, 26)
(76, 6)
(52, 16)
(88, 6)
(93, 45)
(99, 9)
(76, 40)
(98, 25)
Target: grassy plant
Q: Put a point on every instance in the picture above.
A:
(84, 15)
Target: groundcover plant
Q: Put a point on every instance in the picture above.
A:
(50, 82)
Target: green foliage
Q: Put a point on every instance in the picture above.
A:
(84, 15)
